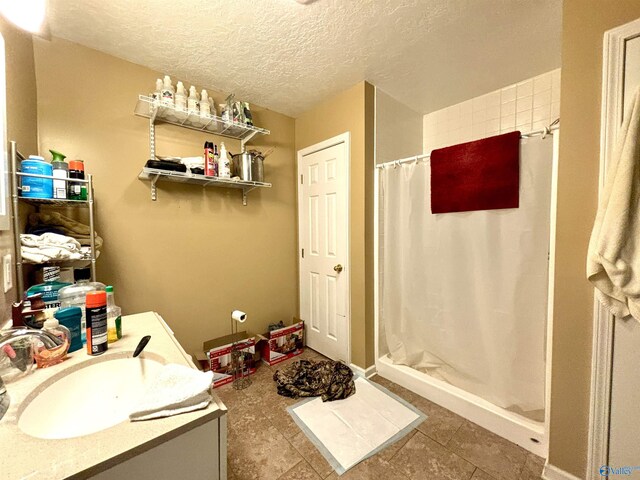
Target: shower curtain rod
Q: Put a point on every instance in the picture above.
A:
(536, 133)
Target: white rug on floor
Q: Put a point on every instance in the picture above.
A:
(351, 430)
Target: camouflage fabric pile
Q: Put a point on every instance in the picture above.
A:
(306, 378)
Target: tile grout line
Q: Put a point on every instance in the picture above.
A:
(299, 461)
(415, 430)
(460, 454)
(446, 445)
(519, 475)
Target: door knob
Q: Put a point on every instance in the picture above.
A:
(337, 268)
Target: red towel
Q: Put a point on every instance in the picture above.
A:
(480, 175)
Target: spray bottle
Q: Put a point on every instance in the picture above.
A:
(224, 163)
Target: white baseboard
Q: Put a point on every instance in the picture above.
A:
(552, 472)
(368, 373)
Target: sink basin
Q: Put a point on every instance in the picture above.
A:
(93, 396)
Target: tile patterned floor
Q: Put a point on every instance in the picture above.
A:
(265, 443)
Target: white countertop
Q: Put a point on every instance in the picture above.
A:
(23, 456)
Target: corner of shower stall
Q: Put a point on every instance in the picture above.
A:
(528, 433)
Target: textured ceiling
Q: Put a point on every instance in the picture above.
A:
(288, 56)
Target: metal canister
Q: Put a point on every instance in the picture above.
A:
(242, 166)
(257, 166)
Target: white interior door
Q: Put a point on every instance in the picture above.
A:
(323, 218)
(624, 448)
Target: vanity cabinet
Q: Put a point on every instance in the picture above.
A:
(193, 454)
(191, 445)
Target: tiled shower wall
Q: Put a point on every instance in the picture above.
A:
(528, 105)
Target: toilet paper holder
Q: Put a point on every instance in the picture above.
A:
(239, 368)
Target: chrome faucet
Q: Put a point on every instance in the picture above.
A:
(14, 334)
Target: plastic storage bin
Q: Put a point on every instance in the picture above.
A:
(33, 187)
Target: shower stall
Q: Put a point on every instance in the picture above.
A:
(463, 300)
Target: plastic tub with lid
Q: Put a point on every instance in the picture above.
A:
(33, 187)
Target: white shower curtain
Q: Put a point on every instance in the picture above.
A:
(464, 295)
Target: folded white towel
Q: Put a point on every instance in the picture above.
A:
(50, 239)
(46, 254)
(177, 389)
(613, 261)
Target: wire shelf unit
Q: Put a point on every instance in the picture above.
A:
(16, 198)
(55, 202)
(159, 113)
(155, 174)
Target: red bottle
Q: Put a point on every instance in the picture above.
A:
(209, 163)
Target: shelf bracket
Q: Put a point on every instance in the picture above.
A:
(244, 194)
(152, 138)
(154, 190)
(247, 138)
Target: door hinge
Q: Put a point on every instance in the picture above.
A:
(301, 179)
(303, 253)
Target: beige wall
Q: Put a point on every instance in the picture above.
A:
(352, 111)
(21, 119)
(398, 129)
(195, 254)
(584, 23)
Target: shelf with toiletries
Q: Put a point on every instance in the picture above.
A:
(156, 174)
(158, 112)
(195, 111)
(51, 237)
(176, 106)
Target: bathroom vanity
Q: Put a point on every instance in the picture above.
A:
(70, 421)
